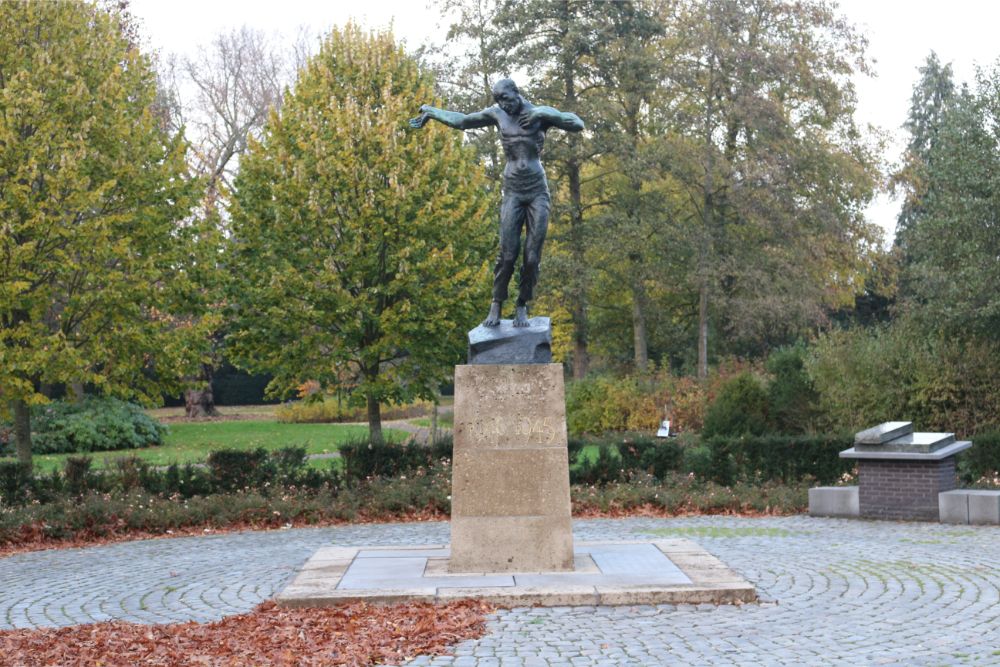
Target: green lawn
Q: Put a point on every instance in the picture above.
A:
(591, 452)
(446, 420)
(191, 442)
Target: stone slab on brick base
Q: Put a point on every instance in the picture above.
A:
(903, 489)
(510, 503)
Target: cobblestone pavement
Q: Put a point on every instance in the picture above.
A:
(834, 592)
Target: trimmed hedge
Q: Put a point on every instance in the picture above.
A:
(617, 460)
(779, 457)
(722, 459)
(228, 470)
(364, 459)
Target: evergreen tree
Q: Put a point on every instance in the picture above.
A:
(361, 253)
(933, 97)
(951, 280)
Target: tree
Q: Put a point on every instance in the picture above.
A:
(465, 69)
(776, 171)
(236, 81)
(639, 209)
(361, 246)
(91, 189)
(952, 278)
(933, 97)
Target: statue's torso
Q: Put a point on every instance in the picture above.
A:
(522, 146)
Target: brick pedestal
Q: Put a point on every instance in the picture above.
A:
(901, 489)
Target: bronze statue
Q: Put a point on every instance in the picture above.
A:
(525, 202)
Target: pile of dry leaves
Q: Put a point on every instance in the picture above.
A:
(355, 634)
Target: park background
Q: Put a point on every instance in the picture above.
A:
(255, 216)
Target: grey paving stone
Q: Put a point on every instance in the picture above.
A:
(840, 592)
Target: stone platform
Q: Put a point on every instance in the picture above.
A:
(669, 571)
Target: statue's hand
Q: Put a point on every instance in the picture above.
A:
(419, 121)
(526, 119)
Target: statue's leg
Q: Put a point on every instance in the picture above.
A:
(537, 224)
(511, 220)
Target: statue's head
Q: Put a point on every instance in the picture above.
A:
(507, 96)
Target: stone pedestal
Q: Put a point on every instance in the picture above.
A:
(510, 508)
(901, 473)
(507, 344)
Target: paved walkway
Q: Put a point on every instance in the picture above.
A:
(834, 592)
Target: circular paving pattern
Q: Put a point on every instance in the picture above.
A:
(833, 592)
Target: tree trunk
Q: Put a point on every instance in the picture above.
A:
(434, 424)
(581, 358)
(374, 421)
(22, 430)
(639, 326)
(77, 392)
(703, 330)
(200, 402)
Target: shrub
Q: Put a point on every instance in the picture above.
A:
(232, 469)
(740, 408)
(331, 410)
(94, 424)
(6, 439)
(868, 376)
(983, 460)
(15, 478)
(681, 494)
(792, 399)
(603, 404)
(621, 457)
(76, 474)
(601, 470)
(364, 459)
(655, 456)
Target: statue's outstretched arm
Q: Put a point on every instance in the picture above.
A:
(459, 121)
(569, 122)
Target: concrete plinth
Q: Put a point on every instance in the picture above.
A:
(835, 501)
(510, 476)
(975, 506)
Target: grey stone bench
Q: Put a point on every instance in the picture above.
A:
(839, 501)
(976, 506)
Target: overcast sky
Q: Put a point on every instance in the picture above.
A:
(901, 34)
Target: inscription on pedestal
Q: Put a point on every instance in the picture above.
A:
(510, 475)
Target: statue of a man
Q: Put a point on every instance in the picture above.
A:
(525, 203)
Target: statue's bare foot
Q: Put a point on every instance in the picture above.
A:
(521, 316)
(493, 319)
